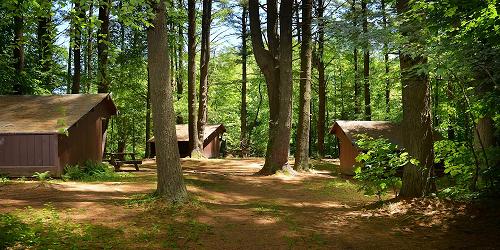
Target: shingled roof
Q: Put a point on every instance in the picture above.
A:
(183, 133)
(47, 114)
(375, 129)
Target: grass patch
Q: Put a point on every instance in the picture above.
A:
(93, 172)
(44, 229)
(265, 208)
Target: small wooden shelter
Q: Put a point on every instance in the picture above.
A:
(346, 132)
(211, 143)
(46, 133)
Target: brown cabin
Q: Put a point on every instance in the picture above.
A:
(211, 143)
(46, 133)
(346, 132)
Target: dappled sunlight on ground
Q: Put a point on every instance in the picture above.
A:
(231, 208)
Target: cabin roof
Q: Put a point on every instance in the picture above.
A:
(375, 129)
(47, 114)
(183, 133)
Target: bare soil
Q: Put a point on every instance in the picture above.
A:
(231, 208)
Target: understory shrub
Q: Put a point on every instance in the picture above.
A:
(91, 171)
(459, 161)
(379, 162)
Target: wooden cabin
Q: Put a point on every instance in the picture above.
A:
(211, 143)
(46, 133)
(346, 132)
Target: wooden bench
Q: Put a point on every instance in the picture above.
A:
(118, 159)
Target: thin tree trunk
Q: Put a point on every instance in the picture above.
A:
(45, 41)
(192, 116)
(147, 150)
(366, 62)
(170, 181)
(357, 104)
(180, 65)
(321, 81)
(70, 59)
(102, 47)
(77, 50)
(417, 118)
(243, 112)
(88, 64)
(386, 64)
(302, 151)
(204, 61)
(18, 51)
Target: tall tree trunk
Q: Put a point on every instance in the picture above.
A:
(321, 80)
(275, 62)
(18, 51)
(88, 63)
(417, 119)
(45, 41)
(204, 61)
(366, 61)
(243, 111)
(192, 117)
(147, 150)
(386, 64)
(77, 49)
(102, 47)
(70, 59)
(170, 181)
(302, 151)
(357, 104)
(180, 65)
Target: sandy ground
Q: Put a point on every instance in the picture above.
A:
(233, 209)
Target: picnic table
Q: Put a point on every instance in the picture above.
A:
(118, 159)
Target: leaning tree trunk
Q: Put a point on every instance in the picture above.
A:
(417, 119)
(243, 110)
(192, 117)
(321, 80)
(204, 60)
(18, 51)
(366, 62)
(275, 62)
(302, 151)
(102, 47)
(170, 181)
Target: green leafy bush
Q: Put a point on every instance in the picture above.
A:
(91, 171)
(378, 167)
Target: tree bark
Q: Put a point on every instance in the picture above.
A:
(102, 47)
(366, 62)
(45, 41)
(275, 63)
(192, 116)
(88, 63)
(170, 181)
(77, 50)
(321, 80)
(204, 61)
(357, 104)
(180, 65)
(386, 64)
(302, 151)
(417, 119)
(18, 52)
(147, 149)
(243, 110)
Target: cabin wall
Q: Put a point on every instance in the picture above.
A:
(25, 154)
(212, 149)
(347, 154)
(84, 140)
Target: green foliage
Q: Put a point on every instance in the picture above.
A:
(42, 177)
(379, 163)
(92, 171)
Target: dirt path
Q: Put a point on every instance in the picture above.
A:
(232, 209)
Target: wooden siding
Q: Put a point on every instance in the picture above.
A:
(84, 141)
(212, 149)
(24, 154)
(347, 151)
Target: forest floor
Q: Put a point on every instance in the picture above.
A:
(230, 208)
